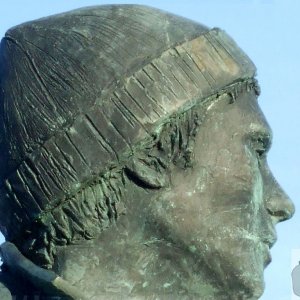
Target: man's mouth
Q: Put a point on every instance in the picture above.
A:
(267, 244)
(271, 239)
(266, 254)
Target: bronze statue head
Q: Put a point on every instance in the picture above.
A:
(138, 131)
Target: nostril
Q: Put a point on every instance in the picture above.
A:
(282, 211)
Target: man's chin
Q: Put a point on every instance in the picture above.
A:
(254, 287)
(241, 273)
(249, 284)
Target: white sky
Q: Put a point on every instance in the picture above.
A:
(268, 31)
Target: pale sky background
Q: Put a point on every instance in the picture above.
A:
(268, 31)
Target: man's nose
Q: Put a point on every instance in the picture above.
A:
(277, 202)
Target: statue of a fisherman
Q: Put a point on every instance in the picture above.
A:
(133, 160)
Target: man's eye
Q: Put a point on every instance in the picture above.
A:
(261, 152)
(261, 145)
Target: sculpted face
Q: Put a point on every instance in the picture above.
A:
(224, 209)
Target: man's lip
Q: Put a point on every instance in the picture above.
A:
(267, 255)
(270, 241)
(270, 238)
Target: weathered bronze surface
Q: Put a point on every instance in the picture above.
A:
(133, 160)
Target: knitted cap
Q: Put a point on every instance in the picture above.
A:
(79, 90)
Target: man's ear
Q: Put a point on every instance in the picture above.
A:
(145, 175)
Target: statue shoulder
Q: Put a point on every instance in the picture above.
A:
(4, 291)
(13, 287)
